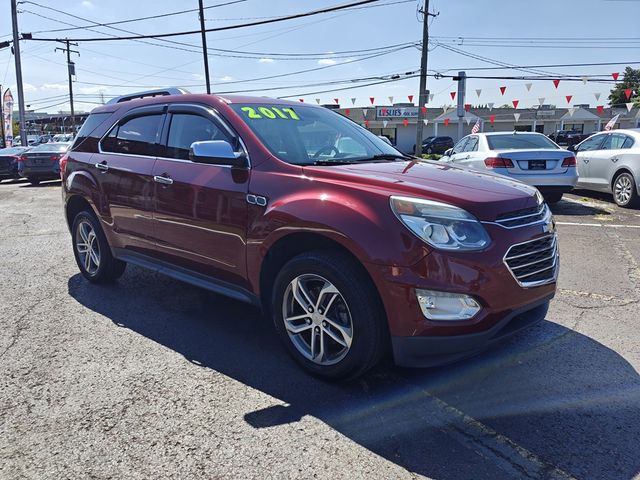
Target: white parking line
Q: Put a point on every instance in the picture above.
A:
(578, 224)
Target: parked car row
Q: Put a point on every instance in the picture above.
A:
(36, 164)
(604, 162)
(33, 140)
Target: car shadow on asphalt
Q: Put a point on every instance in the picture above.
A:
(43, 184)
(557, 393)
(575, 208)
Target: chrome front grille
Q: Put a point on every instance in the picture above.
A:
(535, 262)
(521, 218)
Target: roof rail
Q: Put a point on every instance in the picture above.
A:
(149, 93)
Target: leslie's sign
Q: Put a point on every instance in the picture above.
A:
(397, 112)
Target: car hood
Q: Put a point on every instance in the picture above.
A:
(485, 195)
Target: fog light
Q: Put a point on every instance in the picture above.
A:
(447, 306)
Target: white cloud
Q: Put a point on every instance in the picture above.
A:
(26, 88)
(57, 87)
(87, 4)
(93, 90)
(226, 78)
(266, 60)
(326, 61)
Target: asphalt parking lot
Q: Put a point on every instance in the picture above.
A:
(152, 378)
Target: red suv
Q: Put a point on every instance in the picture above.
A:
(353, 248)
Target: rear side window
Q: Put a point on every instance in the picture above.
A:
(613, 142)
(136, 136)
(88, 127)
(519, 140)
(186, 129)
(628, 143)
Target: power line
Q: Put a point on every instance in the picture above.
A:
(224, 28)
(139, 19)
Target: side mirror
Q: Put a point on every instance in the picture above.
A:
(448, 152)
(572, 148)
(217, 152)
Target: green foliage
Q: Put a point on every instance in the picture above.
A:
(16, 128)
(631, 80)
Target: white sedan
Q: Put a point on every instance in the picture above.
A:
(610, 162)
(529, 157)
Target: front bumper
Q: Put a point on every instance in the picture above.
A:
(434, 351)
(507, 305)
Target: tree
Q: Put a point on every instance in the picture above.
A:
(631, 80)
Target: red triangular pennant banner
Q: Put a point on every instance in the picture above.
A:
(347, 112)
(446, 121)
(492, 118)
(600, 108)
(556, 83)
(372, 99)
(453, 95)
(515, 103)
(467, 107)
(337, 100)
(405, 122)
(502, 90)
(615, 75)
(628, 93)
(410, 98)
(569, 97)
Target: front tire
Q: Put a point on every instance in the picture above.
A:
(328, 314)
(625, 193)
(33, 181)
(92, 251)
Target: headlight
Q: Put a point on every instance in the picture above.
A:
(442, 226)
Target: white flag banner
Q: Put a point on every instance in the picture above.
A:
(391, 99)
(445, 109)
(597, 95)
(479, 92)
(364, 112)
(516, 116)
(612, 123)
(431, 95)
(318, 101)
(353, 101)
(425, 121)
(468, 120)
(541, 101)
(572, 110)
(490, 105)
(629, 106)
(385, 123)
(528, 86)
(584, 80)
(7, 118)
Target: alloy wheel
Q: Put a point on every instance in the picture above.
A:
(623, 189)
(317, 319)
(87, 247)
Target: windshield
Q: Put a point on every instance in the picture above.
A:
(518, 141)
(51, 147)
(305, 135)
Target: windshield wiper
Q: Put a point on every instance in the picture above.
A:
(391, 156)
(334, 161)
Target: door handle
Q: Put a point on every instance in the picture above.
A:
(163, 179)
(102, 166)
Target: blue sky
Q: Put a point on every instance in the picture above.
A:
(119, 67)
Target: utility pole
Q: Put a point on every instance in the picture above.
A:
(204, 47)
(462, 92)
(16, 55)
(424, 94)
(4, 139)
(71, 67)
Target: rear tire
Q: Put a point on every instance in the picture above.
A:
(625, 193)
(92, 251)
(328, 314)
(552, 197)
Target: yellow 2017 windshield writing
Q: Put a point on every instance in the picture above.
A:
(270, 113)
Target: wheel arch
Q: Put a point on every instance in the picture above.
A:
(74, 205)
(293, 244)
(619, 172)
